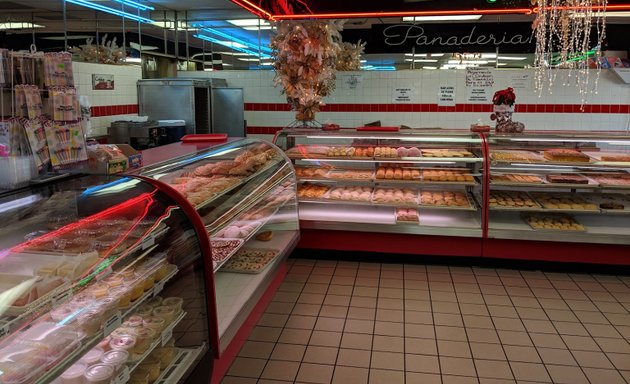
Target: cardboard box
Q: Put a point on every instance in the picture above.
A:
(134, 158)
(113, 158)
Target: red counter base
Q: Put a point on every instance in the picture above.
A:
(389, 243)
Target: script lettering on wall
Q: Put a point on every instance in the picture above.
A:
(401, 34)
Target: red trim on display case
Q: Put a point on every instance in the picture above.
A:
(222, 364)
(485, 214)
(390, 243)
(206, 250)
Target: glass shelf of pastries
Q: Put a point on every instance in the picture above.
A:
(413, 181)
(571, 187)
(101, 281)
(245, 193)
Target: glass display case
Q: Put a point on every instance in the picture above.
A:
(102, 280)
(426, 182)
(565, 187)
(245, 195)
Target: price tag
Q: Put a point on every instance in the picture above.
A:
(166, 335)
(112, 323)
(158, 287)
(148, 242)
(122, 377)
(4, 330)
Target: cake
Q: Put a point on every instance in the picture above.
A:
(567, 179)
(566, 155)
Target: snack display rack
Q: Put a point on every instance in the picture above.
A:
(584, 178)
(114, 274)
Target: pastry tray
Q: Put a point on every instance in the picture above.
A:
(396, 203)
(334, 171)
(470, 154)
(552, 230)
(538, 207)
(530, 156)
(534, 195)
(328, 198)
(611, 186)
(597, 156)
(35, 304)
(598, 198)
(470, 207)
(218, 264)
(259, 262)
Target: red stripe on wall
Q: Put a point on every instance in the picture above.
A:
(111, 110)
(520, 108)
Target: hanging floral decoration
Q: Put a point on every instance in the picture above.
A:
(306, 54)
(108, 52)
(564, 31)
(350, 56)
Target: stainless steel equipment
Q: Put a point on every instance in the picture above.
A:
(206, 105)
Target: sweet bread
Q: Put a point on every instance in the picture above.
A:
(264, 236)
(566, 155)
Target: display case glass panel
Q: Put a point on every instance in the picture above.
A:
(560, 187)
(413, 181)
(101, 278)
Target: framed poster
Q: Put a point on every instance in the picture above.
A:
(102, 82)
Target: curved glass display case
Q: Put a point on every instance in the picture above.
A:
(245, 194)
(427, 182)
(567, 187)
(102, 279)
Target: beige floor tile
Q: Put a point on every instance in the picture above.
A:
(556, 356)
(356, 341)
(320, 355)
(529, 372)
(315, 288)
(325, 339)
(386, 328)
(346, 375)
(364, 302)
(422, 378)
(265, 334)
(306, 309)
(580, 343)
(451, 379)
(247, 367)
(487, 351)
(547, 340)
(613, 345)
(273, 320)
(390, 283)
(602, 330)
(337, 300)
(320, 279)
(279, 308)
(238, 380)
(281, 370)
(483, 335)
(521, 353)
(416, 317)
(563, 374)
(391, 293)
(329, 324)
(354, 358)
(474, 321)
(420, 346)
(514, 338)
(394, 315)
(561, 315)
(301, 322)
(366, 282)
(508, 324)
(620, 361)
(256, 349)
(418, 305)
(288, 352)
(502, 311)
(448, 319)
(311, 298)
(388, 360)
(449, 333)
(570, 328)
(493, 369)
(386, 303)
(497, 300)
(417, 291)
(419, 330)
(381, 376)
(496, 381)
(449, 297)
(539, 326)
(365, 291)
(474, 309)
(286, 297)
(457, 366)
(315, 373)
(334, 311)
(453, 348)
(295, 336)
(592, 359)
(607, 376)
(342, 290)
(422, 363)
(361, 313)
(470, 298)
(388, 344)
(359, 326)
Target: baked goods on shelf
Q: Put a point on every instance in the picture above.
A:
(516, 178)
(307, 151)
(516, 156)
(395, 195)
(351, 193)
(408, 152)
(615, 158)
(239, 229)
(567, 178)
(351, 174)
(563, 201)
(447, 175)
(198, 190)
(446, 153)
(264, 236)
(312, 191)
(222, 249)
(385, 152)
(445, 199)
(340, 152)
(511, 200)
(612, 179)
(250, 260)
(396, 173)
(613, 206)
(553, 222)
(312, 173)
(609, 202)
(407, 215)
(364, 152)
(566, 155)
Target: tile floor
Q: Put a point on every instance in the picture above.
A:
(348, 322)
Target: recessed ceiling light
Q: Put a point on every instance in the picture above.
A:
(441, 18)
(19, 25)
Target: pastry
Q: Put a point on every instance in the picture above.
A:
(115, 358)
(446, 153)
(511, 200)
(612, 206)
(566, 155)
(395, 196)
(250, 260)
(615, 158)
(394, 173)
(567, 179)
(175, 302)
(313, 173)
(264, 236)
(446, 175)
(74, 374)
(407, 214)
(221, 249)
(386, 152)
(515, 156)
(559, 223)
(444, 199)
(565, 201)
(99, 374)
(312, 191)
(516, 178)
(613, 179)
(125, 343)
(351, 193)
(351, 174)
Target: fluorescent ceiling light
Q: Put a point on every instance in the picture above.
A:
(256, 28)
(442, 18)
(112, 11)
(468, 62)
(133, 60)
(362, 61)
(247, 59)
(511, 58)
(244, 43)
(234, 44)
(423, 60)
(488, 55)
(249, 22)
(427, 67)
(232, 53)
(170, 25)
(19, 25)
(424, 54)
(208, 69)
(136, 5)
(231, 44)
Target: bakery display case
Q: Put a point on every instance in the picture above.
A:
(562, 188)
(244, 193)
(424, 182)
(102, 280)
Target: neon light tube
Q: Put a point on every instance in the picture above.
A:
(109, 10)
(136, 5)
(237, 40)
(243, 50)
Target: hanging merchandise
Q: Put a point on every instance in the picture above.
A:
(65, 104)
(58, 69)
(66, 143)
(5, 78)
(28, 101)
(86, 114)
(26, 67)
(34, 129)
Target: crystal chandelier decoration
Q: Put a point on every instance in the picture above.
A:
(568, 32)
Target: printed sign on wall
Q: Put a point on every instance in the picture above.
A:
(403, 95)
(446, 96)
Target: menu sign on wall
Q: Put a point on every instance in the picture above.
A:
(479, 83)
(446, 96)
(403, 95)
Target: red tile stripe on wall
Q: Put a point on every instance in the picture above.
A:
(110, 110)
(520, 108)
